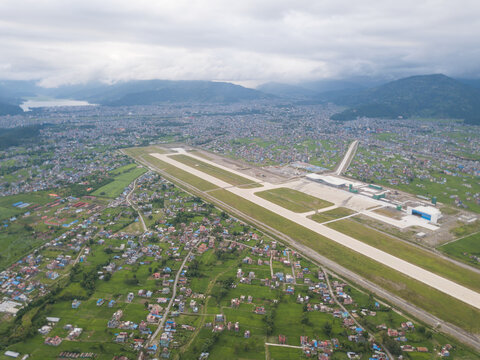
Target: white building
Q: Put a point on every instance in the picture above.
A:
(331, 180)
(429, 213)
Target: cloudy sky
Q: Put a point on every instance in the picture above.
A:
(245, 41)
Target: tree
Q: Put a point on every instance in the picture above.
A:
(327, 327)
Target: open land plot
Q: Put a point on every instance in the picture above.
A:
(436, 302)
(120, 182)
(218, 172)
(466, 249)
(293, 200)
(284, 353)
(7, 209)
(389, 212)
(201, 154)
(333, 214)
(411, 253)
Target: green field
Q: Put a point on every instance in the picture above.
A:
(180, 174)
(219, 173)
(412, 254)
(293, 200)
(7, 209)
(464, 248)
(334, 214)
(123, 177)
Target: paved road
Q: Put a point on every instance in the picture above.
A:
(416, 312)
(129, 201)
(284, 345)
(431, 279)
(170, 303)
(371, 338)
(347, 159)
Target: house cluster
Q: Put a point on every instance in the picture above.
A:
(322, 349)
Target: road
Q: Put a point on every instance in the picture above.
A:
(347, 159)
(416, 312)
(371, 338)
(129, 201)
(172, 299)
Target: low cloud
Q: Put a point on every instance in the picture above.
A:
(61, 42)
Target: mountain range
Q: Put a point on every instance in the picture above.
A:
(426, 96)
(423, 96)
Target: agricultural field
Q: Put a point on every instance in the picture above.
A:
(46, 217)
(123, 176)
(219, 173)
(293, 200)
(466, 249)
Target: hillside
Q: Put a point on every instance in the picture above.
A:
(9, 109)
(150, 92)
(287, 91)
(430, 96)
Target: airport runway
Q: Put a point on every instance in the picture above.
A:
(435, 281)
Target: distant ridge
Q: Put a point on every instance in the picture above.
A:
(151, 92)
(9, 109)
(429, 96)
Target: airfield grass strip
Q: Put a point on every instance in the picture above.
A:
(219, 173)
(200, 184)
(408, 252)
(333, 214)
(416, 292)
(463, 249)
(293, 200)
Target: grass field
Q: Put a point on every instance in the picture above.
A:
(123, 177)
(219, 173)
(293, 200)
(332, 214)
(434, 301)
(6, 202)
(464, 248)
(408, 252)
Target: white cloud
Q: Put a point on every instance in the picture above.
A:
(61, 41)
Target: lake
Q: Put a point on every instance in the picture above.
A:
(37, 103)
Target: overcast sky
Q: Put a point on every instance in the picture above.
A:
(66, 41)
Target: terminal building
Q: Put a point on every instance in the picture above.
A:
(333, 181)
(429, 213)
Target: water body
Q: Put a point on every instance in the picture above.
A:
(39, 103)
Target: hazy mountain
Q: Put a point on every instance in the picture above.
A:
(472, 82)
(319, 91)
(326, 85)
(7, 108)
(430, 96)
(287, 91)
(13, 91)
(148, 92)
